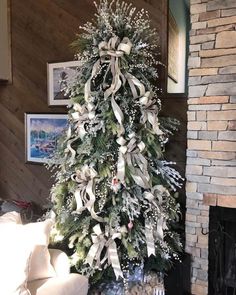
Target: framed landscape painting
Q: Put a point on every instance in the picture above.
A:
(41, 135)
(58, 76)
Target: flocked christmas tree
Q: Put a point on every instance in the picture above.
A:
(114, 193)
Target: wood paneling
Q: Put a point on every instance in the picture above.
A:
(41, 32)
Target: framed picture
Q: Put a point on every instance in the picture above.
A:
(58, 76)
(41, 135)
(173, 48)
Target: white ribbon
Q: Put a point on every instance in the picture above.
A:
(130, 154)
(111, 256)
(84, 195)
(149, 112)
(149, 238)
(95, 250)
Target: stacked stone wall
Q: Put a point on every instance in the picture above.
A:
(211, 154)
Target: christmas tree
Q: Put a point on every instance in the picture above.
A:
(114, 195)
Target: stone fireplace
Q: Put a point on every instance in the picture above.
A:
(211, 154)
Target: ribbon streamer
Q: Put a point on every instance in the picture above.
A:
(84, 195)
(149, 238)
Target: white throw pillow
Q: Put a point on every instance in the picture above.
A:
(40, 266)
(15, 251)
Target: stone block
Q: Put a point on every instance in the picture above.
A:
(228, 70)
(208, 45)
(197, 91)
(219, 61)
(194, 169)
(203, 145)
(194, 18)
(223, 181)
(201, 38)
(198, 289)
(217, 155)
(226, 39)
(224, 146)
(216, 189)
(190, 223)
(194, 211)
(203, 219)
(194, 62)
(197, 126)
(220, 4)
(205, 107)
(209, 135)
(190, 217)
(198, 179)
(191, 238)
(217, 125)
(227, 135)
(204, 253)
(194, 54)
(192, 32)
(229, 106)
(190, 230)
(214, 30)
(226, 201)
(201, 282)
(233, 99)
(194, 80)
(224, 163)
(228, 12)
(201, 115)
(198, 161)
(209, 199)
(191, 116)
(191, 187)
(221, 89)
(191, 153)
(203, 72)
(199, 25)
(208, 100)
(202, 275)
(197, 8)
(221, 115)
(218, 79)
(195, 196)
(194, 48)
(217, 52)
(220, 171)
(232, 125)
(192, 134)
(209, 15)
(205, 213)
(221, 21)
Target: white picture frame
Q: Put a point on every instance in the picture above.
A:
(57, 76)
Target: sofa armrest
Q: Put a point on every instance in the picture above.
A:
(60, 262)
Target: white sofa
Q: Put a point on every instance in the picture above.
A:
(27, 266)
(63, 283)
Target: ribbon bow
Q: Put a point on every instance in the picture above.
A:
(131, 155)
(95, 250)
(84, 195)
(149, 111)
(101, 240)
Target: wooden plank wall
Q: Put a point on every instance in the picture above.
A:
(41, 32)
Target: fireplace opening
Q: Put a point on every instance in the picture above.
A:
(222, 251)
